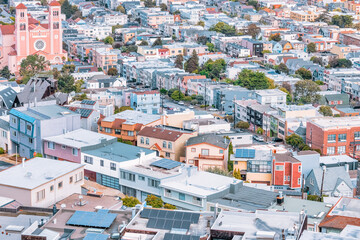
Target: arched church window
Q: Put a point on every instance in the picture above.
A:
(22, 26)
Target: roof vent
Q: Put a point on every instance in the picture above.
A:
(28, 174)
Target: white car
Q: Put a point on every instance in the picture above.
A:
(191, 107)
(258, 138)
(213, 109)
(181, 103)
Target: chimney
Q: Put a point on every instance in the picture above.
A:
(133, 212)
(189, 171)
(324, 168)
(346, 167)
(141, 156)
(23, 162)
(280, 198)
(315, 226)
(216, 210)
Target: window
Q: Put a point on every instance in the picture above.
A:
(88, 159)
(113, 166)
(330, 150)
(279, 168)
(342, 137)
(75, 151)
(193, 149)
(181, 196)
(147, 141)
(167, 193)
(101, 163)
(55, 13)
(60, 184)
(205, 152)
(221, 151)
(118, 131)
(51, 145)
(56, 25)
(28, 127)
(164, 144)
(22, 14)
(63, 147)
(51, 188)
(142, 140)
(141, 178)
(259, 166)
(108, 130)
(167, 154)
(153, 183)
(30, 140)
(284, 178)
(332, 138)
(14, 133)
(312, 181)
(169, 145)
(341, 149)
(128, 176)
(14, 120)
(299, 169)
(196, 200)
(71, 179)
(288, 178)
(357, 135)
(40, 195)
(4, 134)
(299, 181)
(79, 176)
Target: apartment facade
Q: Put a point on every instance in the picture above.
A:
(145, 101)
(287, 172)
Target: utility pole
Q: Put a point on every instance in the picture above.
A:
(234, 112)
(322, 183)
(205, 95)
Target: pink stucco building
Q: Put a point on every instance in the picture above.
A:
(28, 36)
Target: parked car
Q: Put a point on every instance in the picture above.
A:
(258, 138)
(181, 103)
(212, 109)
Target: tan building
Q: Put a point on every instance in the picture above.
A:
(207, 151)
(341, 50)
(168, 142)
(41, 182)
(303, 16)
(176, 119)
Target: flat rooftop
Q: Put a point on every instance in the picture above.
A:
(132, 117)
(336, 159)
(336, 122)
(35, 172)
(79, 138)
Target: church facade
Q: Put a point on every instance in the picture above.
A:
(28, 36)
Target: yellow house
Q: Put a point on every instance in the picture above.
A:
(174, 50)
(304, 16)
(341, 50)
(176, 119)
(168, 142)
(207, 151)
(286, 46)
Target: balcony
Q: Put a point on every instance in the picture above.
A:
(211, 157)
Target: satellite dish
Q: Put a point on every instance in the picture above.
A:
(63, 205)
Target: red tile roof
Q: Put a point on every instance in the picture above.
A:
(13, 53)
(54, 3)
(32, 21)
(7, 29)
(21, 6)
(160, 133)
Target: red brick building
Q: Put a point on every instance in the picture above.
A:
(286, 171)
(334, 136)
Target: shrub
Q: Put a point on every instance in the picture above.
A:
(2, 151)
(169, 206)
(129, 201)
(243, 125)
(154, 201)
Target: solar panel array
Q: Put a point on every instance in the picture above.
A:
(96, 236)
(166, 164)
(88, 102)
(99, 219)
(172, 236)
(245, 153)
(84, 112)
(163, 219)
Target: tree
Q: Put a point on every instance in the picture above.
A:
(304, 73)
(179, 61)
(169, 206)
(253, 3)
(243, 125)
(80, 97)
(112, 72)
(5, 72)
(202, 40)
(122, 108)
(201, 23)
(237, 174)
(319, 82)
(177, 95)
(223, 28)
(283, 68)
(129, 201)
(275, 37)
(68, 68)
(32, 65)
(144, 43)
(120, 8)
(252, 80)
(340, 63)
(288, 94)
(163, 7)
(171, 91)
(260, 131)
(265, 51)
(311, 48)
(219, 171)
(342, 20)
(229, 118)
(210, 46)
(306, 91)
(78, 85)
(326, 111)
(109, 40)
(163, 91)
(149, 3)
(192, 63)
(154, 201)
(294, 140)
(253, 30)
(317, 60)
(67, 9)
(157, 42)
(66, 83)
(116, 27)
(213, 69)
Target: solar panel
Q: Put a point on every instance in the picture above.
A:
(172, 236)
(96, 236)
(100, 219)
(245, 153)
(166, 164)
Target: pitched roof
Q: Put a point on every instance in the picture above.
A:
(8, 95)
(54, 3)
(21, 6)
(7, 29)
(211, 139)
(160, 133)
(332, 177)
